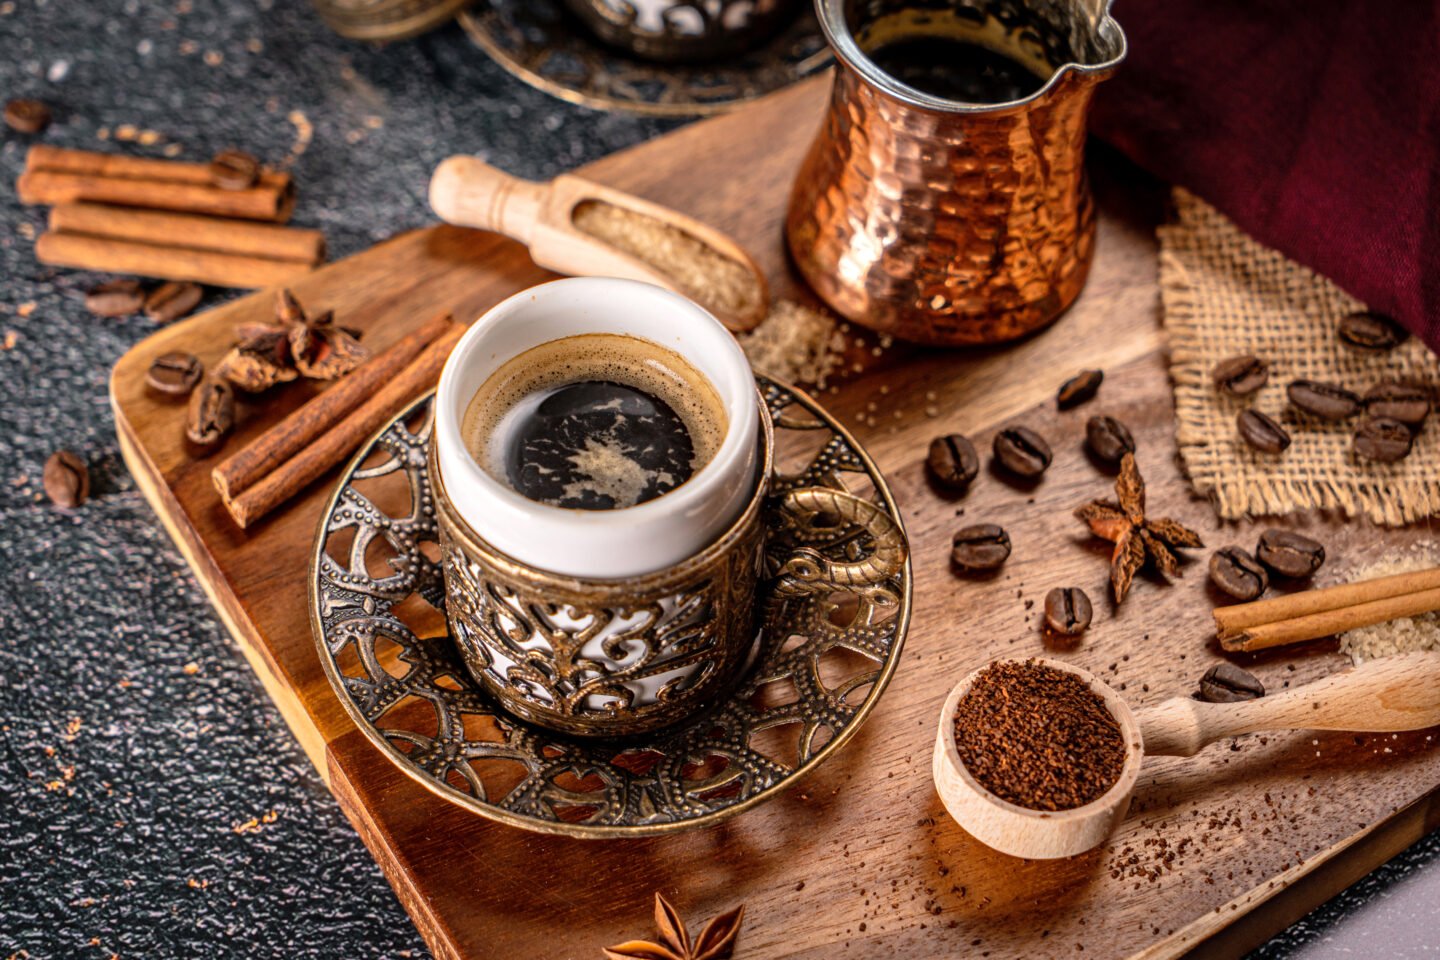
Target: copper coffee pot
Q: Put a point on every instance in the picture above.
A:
(946, 222)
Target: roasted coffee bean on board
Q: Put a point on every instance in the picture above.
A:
(171, 301)
(1241, 375)
(175, 374)
(1022, 451)
(234, 170)
(982, 546)
(1328, 401)
(27, 116)
(1079, 388)
(1261, 432)
(1383, 440)
(1108, 438)
(1227, 683)
(212, 413)
(953, 461)
(67, 479)
(1067, 611)
(1368, 330)
(115, 298)
(1237, 573)
(1289, 554)
(1398, 401)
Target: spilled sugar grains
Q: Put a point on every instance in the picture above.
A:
(1037, 736)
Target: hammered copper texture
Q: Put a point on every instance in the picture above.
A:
(947, 227)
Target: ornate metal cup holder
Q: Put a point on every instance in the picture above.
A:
(828, 648)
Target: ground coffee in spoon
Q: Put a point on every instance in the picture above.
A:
(1038, 737)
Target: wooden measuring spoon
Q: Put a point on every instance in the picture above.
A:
(1387, 695)
(468, 192)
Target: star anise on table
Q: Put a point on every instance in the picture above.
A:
(715, 942)
(1138, 539)
(295, 345)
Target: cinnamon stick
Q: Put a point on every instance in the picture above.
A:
(243, 237)
(1233, 619)
(94, 163)
(291, 435)
(1326, 623)
(109, 255)
(344, 437)
(271, 199)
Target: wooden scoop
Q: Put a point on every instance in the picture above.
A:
(1387, 695)
(471, 193)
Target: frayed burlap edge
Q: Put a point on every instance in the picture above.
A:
(1222, 294)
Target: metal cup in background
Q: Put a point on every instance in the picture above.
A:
(944, 222)
(674, 31)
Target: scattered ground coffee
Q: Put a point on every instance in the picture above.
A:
(1038, 737)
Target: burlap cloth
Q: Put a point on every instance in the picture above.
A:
(1224, 294)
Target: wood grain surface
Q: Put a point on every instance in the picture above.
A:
(860, 860)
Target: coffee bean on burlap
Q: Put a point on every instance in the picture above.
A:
(1261, 432)
(1241, 375)
(1371, 331)
(1398, 401)
(1328, 401)
(1383, 440)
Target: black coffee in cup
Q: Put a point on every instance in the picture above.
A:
(594, 422)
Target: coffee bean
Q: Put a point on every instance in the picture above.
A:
(1383, 440)
(1067, 611)
(1079, 388)
(1398, 401)
(26, 116)
(171, 301)
(1108, 438)
(1227, 683)
(1324, 400)
(67, 479)
(1241, 375)
(1367, 330)
(953, 461)
(1289, 554)
(1237, 573)
(1022, 451)
(175, 374)
(212, 413)
(117, 298)
(1261, 432)
(234, 170)
(983, 546)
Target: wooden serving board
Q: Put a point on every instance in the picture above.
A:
(860, 860)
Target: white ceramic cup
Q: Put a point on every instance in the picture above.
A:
(627, 542)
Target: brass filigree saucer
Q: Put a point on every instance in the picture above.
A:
(828, 647)
(543, 44)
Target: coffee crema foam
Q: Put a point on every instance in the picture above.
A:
(596, 421)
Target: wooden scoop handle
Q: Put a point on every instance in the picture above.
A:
(1390, 694)
(468, 192)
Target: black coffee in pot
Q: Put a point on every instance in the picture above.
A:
(955, 69)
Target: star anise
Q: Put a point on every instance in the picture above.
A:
(1138, 539)
(260, 360)
(715, 942)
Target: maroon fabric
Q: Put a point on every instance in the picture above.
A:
(1313, 124)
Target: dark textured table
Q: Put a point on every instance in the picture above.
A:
(152, 801)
